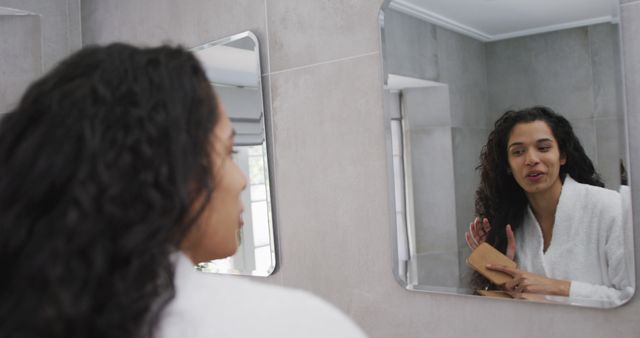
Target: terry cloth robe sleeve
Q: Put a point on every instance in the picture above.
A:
(587, 246)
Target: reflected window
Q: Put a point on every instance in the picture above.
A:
(233, 68)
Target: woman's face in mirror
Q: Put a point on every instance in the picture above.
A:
(215, 235)
(534, 157)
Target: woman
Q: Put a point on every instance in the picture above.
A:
(116, 177)
(542, 203)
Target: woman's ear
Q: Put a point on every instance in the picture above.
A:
(563, 159)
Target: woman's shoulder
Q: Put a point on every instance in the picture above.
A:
(231, 306)
(594, 196)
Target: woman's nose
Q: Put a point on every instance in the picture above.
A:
(532, 158)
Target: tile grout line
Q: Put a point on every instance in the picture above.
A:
(275, 230)
(266, 28)
(323, 63)
(270, 97)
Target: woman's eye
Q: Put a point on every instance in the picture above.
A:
(544, 149)
(517, 152)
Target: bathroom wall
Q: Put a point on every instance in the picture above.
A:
(576, 72)
(20, 56)
(322, 71)
(60, 26)
(416, 48)
(462, 65)
(630, 30)
(431, 216)
(32, 44)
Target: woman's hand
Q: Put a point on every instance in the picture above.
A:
(526, 282)
(477, 234)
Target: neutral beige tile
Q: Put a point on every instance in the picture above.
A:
(305, 32)
(20, 57)
(59, 26)
(330, 163)
(189, 23)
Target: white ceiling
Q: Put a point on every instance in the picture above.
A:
(490, 20)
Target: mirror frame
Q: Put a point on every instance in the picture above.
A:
(269, 165)
(400, 266)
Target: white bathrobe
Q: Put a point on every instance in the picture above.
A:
(587, 246)
(210, 305)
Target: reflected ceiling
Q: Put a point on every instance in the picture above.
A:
(490, 20)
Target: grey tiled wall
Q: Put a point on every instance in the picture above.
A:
(60, 26)
(467, 143)
(327, 115)
(552, 69)
(433, 196)
(419, 49)
(191, 23)
(428, 134)
(604, 44)
(20, 57)
(576, 72)
(34, 43)
(412, 48)
(462, 66)
(333, 31)
(630, 22)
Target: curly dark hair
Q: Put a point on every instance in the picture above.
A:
(101, 165)
(499, 198)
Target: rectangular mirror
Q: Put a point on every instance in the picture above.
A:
(451, 70)
(232, 65)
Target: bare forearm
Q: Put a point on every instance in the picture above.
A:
(561, 287)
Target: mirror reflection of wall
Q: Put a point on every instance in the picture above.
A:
(468, 82)
(577, 72)
(233, 68)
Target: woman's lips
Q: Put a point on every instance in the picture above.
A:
(534, 176)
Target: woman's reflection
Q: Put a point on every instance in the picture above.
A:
(541, 202)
